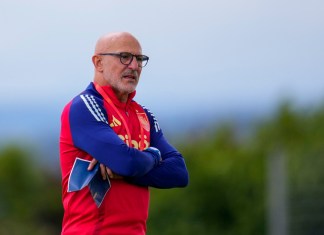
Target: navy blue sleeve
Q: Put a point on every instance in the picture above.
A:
(91, 133)
(172, 171)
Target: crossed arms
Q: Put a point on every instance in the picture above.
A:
(143, 168)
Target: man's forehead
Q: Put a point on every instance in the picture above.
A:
(124, 43)
(119, 42)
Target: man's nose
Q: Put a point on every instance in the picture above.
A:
(134, 64)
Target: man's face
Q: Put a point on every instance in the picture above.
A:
(122, 78)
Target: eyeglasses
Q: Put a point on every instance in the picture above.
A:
(126, 58)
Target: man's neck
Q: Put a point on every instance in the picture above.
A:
(121, 96)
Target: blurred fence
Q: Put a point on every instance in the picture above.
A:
(295, 195)
(306, 195)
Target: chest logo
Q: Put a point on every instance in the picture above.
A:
(115, 122)
(143, 121)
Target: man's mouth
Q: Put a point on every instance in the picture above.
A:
(130, 75)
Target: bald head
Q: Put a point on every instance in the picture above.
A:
(112, 41)
(109, 69)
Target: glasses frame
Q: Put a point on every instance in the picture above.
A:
(142, 60)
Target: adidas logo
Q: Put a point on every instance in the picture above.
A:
(115, 122)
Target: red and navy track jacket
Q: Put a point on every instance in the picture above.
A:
(90, 128)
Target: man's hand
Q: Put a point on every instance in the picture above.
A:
(105, 171)
(156, 154)
(112, 175)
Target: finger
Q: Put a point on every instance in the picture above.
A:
(110, 173)
(92, 164)
(103, 171)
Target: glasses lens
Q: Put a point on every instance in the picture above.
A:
(126, 58)
(142, 60)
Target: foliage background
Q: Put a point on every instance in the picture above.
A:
(228, 181)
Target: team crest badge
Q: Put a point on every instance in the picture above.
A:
(143, 121)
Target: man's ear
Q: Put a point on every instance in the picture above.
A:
(97, 62)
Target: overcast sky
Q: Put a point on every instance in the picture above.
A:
(219, 55)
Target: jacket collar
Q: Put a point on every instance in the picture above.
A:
(110, 92)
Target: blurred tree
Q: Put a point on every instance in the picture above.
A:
(227, 193)
(29, 198)
(227, 190)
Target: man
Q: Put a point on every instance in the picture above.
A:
(105, 124)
